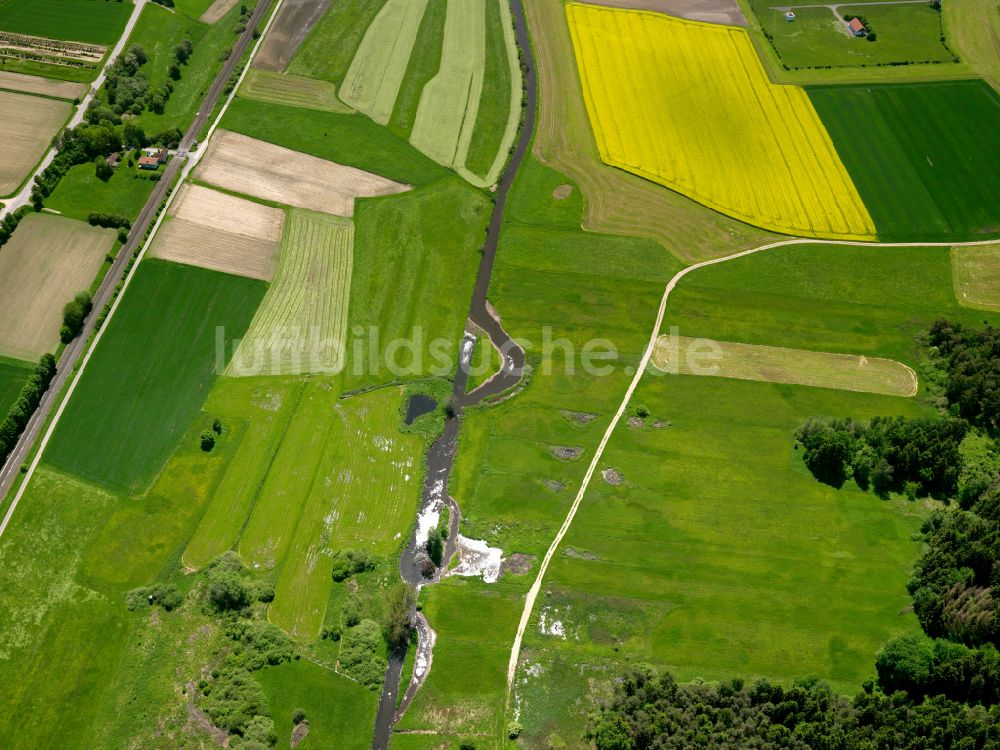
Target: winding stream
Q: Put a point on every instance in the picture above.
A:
(441, 455)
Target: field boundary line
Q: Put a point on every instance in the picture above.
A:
(191, 163)
(643, 364)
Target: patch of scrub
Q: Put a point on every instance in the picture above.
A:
(476, 558)
(549, 623)
(449, 103)
(379, 66)
(301, 326)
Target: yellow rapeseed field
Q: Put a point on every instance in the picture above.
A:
(688, 105)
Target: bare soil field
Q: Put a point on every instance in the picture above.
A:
(263, 170)
(976, 274)
(27, 124)
(217, 10)
(726, 12)
(222, 233)
(38, 85)
(294, 22)
(47, 261)
(772, 364)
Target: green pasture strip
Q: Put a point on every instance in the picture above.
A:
(14, 373)
(425, 61)
(346, 139)
(364, 495)
(151, 372)
(412, 278)
(330, 47)
(925, 158)
(379, 66)
(88, 21)
(295, 91)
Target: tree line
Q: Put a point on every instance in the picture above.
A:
(31, 395)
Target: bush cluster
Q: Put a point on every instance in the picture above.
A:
(350, 562)
(165, 595)
(74, 316)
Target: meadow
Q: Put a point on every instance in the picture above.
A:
(14, 374)
(977, 276)
(723, 135)
(308, 301)
(343, 138)
(148, 378)
(46, 262)
(29, 124)
(818, 37)
(399, 246)
(937, 180)
(424, 63)
(972, 28)
(80, 192)
(91, 21)
(295, 91)
(329, 49)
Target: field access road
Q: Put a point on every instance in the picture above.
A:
(106, 291)
(441, 455)
(22, 197)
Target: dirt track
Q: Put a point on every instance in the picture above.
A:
(726, 12)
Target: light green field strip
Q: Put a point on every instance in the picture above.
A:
(301, 325)
(772, 364)
(364, 495)
(297, 91)
(976, 274)
(265, 407)
(446, 116)
(514, 115)
(377, 70)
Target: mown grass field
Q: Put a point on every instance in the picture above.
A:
(363, 493)
(340, 712)
(704, 119)
(150, 373)
(301, 326)
(973, 28)
(372, 83)
(925, 157)
(346, 139)
(399, 246)
(14, 374)
(817, 37)
(615, 201)
(91, 21)
(329, 49)
(977, 276)
(296, 91)
(80, 192)
(424, 63)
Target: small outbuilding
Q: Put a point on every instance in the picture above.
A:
(789, 16)
(857, 28)
(114, 159)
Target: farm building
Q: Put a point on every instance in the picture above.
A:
(857, 28)
(148, 162)
(153, 158)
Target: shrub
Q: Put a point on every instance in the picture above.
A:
(435, 546)
(74, 315)
(227, 590)
(165, 595)
(207, 441)
(298, 716)
(360, 655)
(399, 602)
(350, 562)
(102, 169)
(108, 221)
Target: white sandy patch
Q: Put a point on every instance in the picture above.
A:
(549, 624)
(477, 558)
(263, 170)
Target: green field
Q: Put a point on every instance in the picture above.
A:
(346, 139)
(925, 158)
(90, 21)
(13, 375)
(296, 91)
(328, 50)
(79, 192)
(379, 66)
(818, 37)
(340, 712)
(150, 373)
(399, 246)
(301, 326)
(424, 63)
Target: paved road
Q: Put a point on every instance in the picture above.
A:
(114, 276)
(22, 198)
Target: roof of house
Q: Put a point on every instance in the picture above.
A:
(148, 160)
(856, 25)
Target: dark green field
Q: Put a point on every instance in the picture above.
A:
(424, 64)
(494, 102)
(91, 21)
(13, 375)
(347, 139)
(924, 157)
(150, 373)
